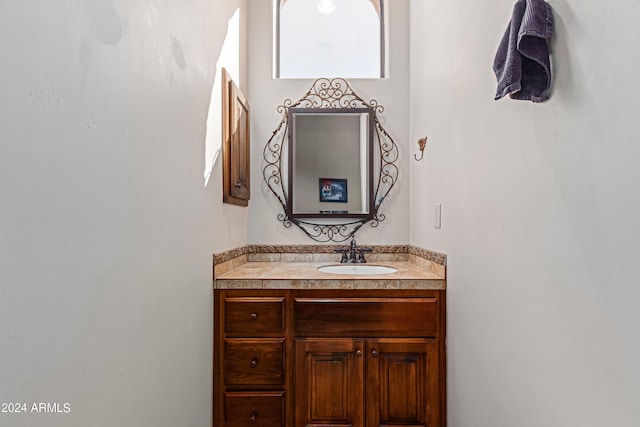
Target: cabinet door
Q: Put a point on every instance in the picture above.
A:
(240, 148)
(235, 144)
(329, 382)
(402, 382)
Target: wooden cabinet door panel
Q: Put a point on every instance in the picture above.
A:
(329, 383)
(236, 160)
(240, 149)
(402, 383)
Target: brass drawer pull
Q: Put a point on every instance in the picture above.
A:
(359, 353)
(254, 316)
(374, 353)
(253, 418)
(254, 363)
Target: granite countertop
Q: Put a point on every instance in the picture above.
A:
(305, 275)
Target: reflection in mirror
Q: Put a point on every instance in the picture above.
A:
(330, 162)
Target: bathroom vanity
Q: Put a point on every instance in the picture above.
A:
(300, 343)
(295, 346)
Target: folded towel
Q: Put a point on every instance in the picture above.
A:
(522, 65)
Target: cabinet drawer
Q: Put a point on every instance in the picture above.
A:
(254, 362)
(260, 409)
(366, 317)
(247, 317)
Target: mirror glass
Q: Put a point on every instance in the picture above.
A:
(330, 162)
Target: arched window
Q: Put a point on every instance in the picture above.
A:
(329, 38)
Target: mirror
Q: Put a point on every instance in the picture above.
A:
(330, 163)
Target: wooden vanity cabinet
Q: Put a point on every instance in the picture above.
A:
(329, 358)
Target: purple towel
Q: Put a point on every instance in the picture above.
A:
(522, 63)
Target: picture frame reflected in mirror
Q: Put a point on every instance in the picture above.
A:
(333, 190)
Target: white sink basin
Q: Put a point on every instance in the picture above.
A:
(357, 269)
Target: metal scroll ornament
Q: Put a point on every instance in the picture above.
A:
(330, 93)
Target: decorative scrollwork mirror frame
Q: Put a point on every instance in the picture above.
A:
(329, 94)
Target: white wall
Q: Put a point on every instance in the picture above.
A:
(540, 214)
(265, 94)
(106, 226)
(230, 221)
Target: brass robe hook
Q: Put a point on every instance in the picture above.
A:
(422, 142)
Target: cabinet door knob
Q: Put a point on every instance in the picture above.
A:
(253, 363)
(374, 353)
(253, 418)
(238, 185)
(254, 316)
(359, 353)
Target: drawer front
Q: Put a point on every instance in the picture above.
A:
(366, 317)
(254, 362)
(247, 317)
(260, 409)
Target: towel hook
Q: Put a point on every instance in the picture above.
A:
(422, 142)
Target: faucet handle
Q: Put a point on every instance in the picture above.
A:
(344, 258)
(361, 257)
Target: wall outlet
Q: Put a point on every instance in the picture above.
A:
(437, 215)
